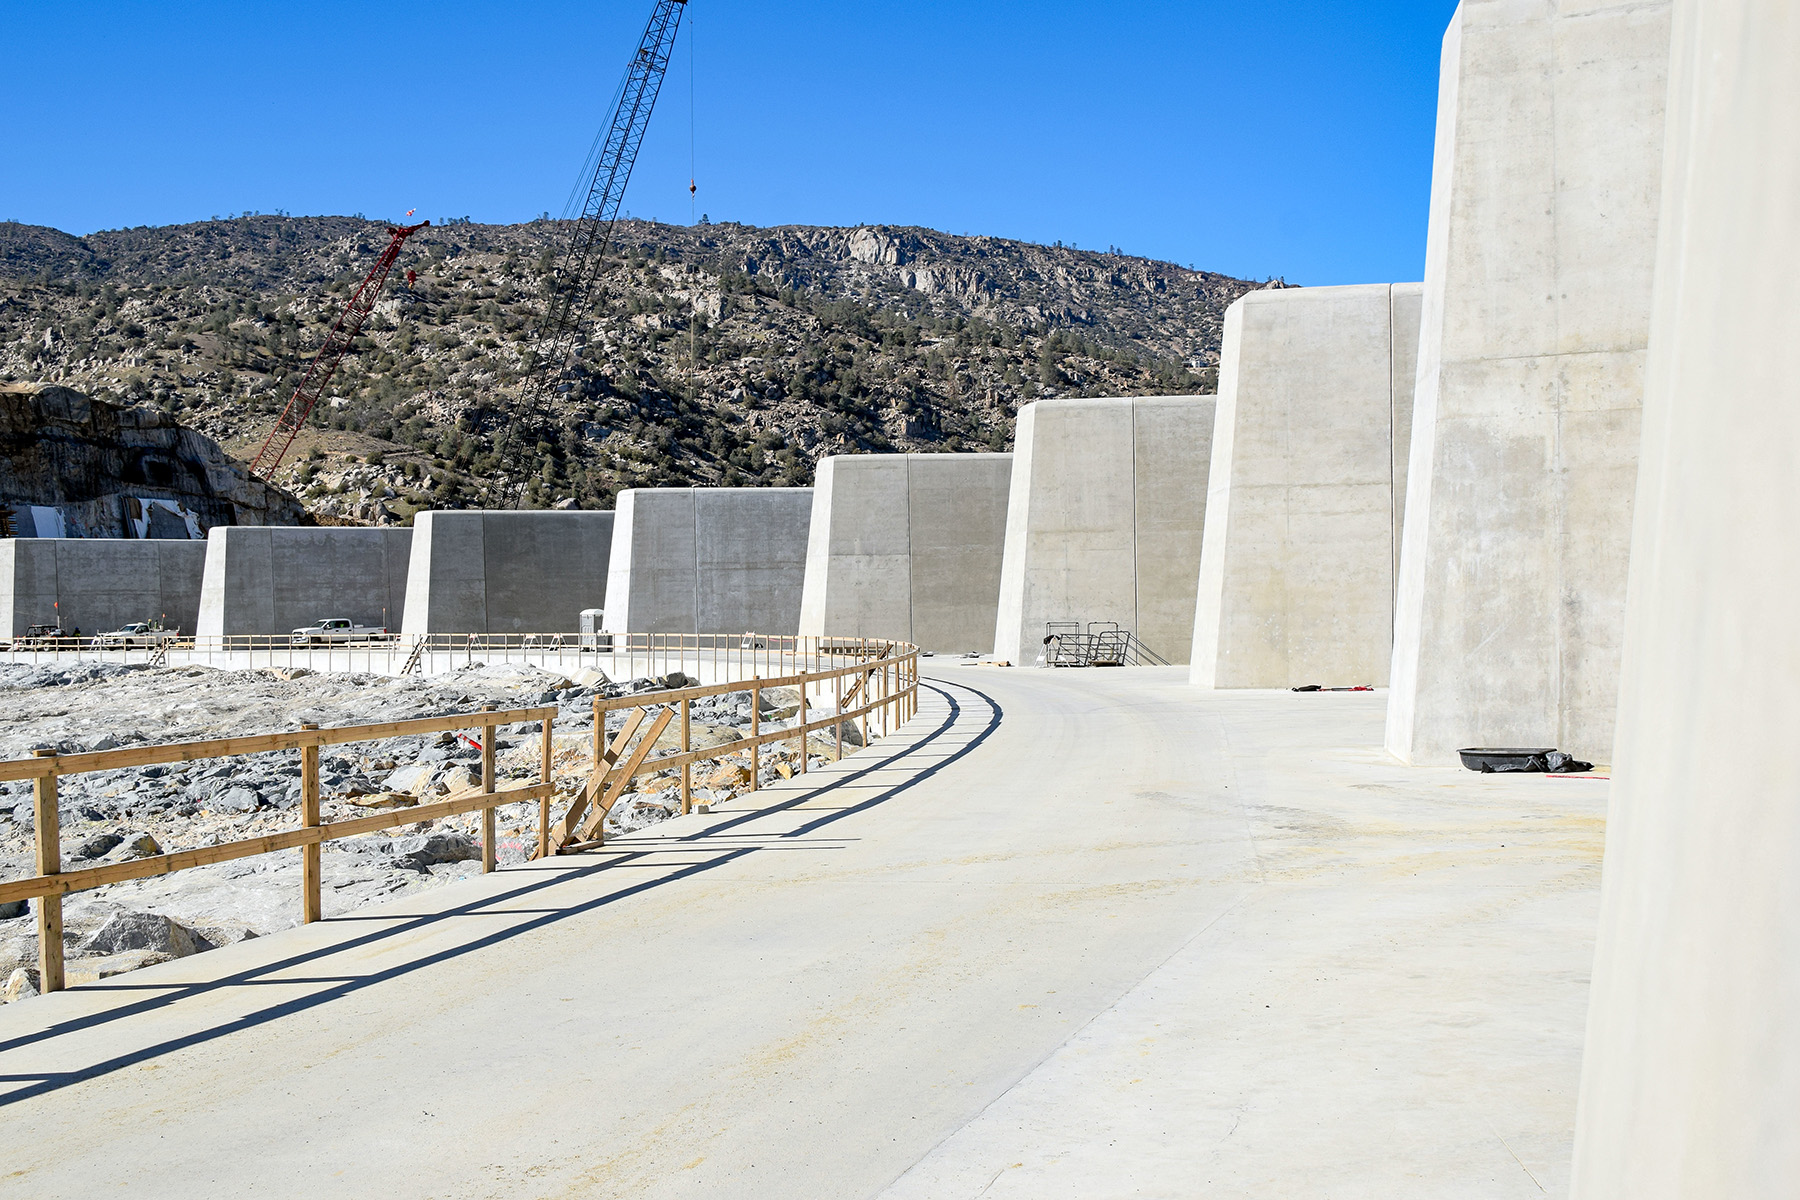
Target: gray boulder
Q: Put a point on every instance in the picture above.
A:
(98, 846)
(427, 850)
(141, 845)
(22, 984)
(237, 799)
(144, 931)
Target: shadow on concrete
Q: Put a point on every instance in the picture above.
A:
(335, 986)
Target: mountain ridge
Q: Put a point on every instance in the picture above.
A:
(716, 353)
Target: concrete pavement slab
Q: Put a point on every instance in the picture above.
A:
(859, 973)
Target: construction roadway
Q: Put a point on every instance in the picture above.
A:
(1081, 933)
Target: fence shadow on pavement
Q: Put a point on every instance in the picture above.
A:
(907, 748)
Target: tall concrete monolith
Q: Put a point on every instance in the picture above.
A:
(1510, 605)
(1691, 1078)
(907, 547)
(1104, 520)
(271, 580)
(505, 572)
(1297, 564)
(708, 560)
(99, 584)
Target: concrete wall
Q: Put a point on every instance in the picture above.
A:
(97, 584)
(708, 560)
(1691, 1077)
(1408, 302)
(907, 546)
(270, 580)
(1538, 265)
(1297, 572)
(505, 572)
(1104, 519)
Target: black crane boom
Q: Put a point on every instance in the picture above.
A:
(558, 336)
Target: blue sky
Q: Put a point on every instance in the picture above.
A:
(1263, 139)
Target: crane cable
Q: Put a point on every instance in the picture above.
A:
(693, 208)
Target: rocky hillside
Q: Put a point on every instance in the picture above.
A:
(720, 353)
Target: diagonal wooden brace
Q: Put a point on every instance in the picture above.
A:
(561, 834)
(856, 688)
(594, 829)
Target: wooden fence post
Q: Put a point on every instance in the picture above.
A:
(755, 729)
(687, 772)
(311, 857)
(800, 721)
(487, 787)
(49, 862)
(546, 774)
(837, 725)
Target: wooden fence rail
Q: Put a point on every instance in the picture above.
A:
(889, 680)
(51, 883)
(886, 678)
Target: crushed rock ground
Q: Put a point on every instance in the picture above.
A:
(114, 815)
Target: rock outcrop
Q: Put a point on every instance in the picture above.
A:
(73, 466)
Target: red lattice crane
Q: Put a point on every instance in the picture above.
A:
(325, 363)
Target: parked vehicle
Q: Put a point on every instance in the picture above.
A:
(138, 633)
(334, 630)
(41, 635)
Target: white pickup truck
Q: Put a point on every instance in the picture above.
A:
(336, 629)
(138, 633)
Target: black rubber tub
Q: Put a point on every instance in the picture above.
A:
(1488, 759)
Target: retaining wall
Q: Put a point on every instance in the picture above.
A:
(1524, 450)
(1691, 1073)
(1296, 580)
(505, 572)
(1104, 520)
(708, 560)
(99, 584)
(907, 546)
(271, 580)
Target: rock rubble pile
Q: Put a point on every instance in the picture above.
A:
(117, 815)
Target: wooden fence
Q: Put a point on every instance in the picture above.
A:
(884, 686)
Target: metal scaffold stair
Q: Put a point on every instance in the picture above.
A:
(1097, 644)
